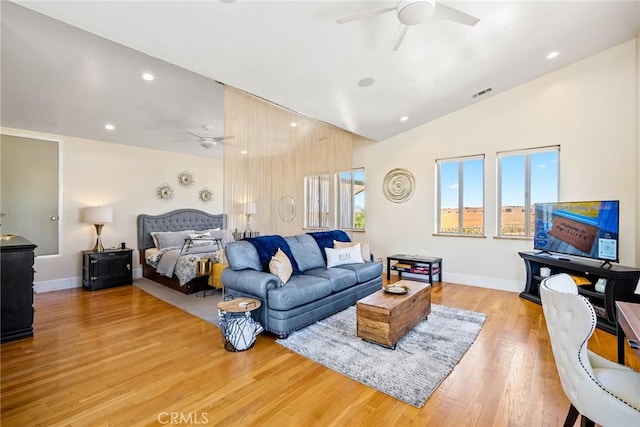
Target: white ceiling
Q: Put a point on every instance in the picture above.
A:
(291, 53)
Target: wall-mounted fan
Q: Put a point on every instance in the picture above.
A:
(206, 139)
(415, 12)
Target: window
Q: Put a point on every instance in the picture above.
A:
(461, 195)
(350, 199)
(524, 178)
(316, 200)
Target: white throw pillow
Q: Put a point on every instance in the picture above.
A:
(365, 248)
(280, 265)
(340, 256)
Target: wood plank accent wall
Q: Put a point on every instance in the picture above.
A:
(268, 159)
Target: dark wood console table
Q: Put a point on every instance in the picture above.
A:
(621, 283)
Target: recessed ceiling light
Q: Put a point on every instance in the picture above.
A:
(243, 152)
(293, 124)
(553, 54)
(109, 126)
(404, 118)
(148, 76)
(366, 82)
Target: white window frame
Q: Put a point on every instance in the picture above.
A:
(527, 187)
(460, 161)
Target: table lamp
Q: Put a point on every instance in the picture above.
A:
(98, 216)
(249, 209)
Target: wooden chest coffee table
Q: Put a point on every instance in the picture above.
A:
(384, 318)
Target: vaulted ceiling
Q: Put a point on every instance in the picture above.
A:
(74, 73)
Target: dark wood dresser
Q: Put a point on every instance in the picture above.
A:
(16, 283)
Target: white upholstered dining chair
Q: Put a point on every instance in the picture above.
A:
(599, 390)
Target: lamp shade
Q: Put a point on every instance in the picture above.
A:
(250, 208)
(98, 214)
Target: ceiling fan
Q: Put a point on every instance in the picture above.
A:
(206, 139)
(415, 12)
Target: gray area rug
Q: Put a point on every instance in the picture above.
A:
(199, 305)
(411, 372)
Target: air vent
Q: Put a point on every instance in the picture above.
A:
(482, 92)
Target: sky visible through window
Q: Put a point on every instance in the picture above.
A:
(544, 178)
(473, 182)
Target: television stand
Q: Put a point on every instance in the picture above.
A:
(620, 285)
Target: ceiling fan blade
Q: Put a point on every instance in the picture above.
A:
(399, 36)
(222, 138)
(194, 134)
(442, 11)
(364, 14)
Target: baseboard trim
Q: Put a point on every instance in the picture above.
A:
(470, 280)
(57, 284)
(68, 283)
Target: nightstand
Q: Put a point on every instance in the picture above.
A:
(107, 269)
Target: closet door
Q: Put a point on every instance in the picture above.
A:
(29, 190)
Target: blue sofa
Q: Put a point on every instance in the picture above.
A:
(313, 291)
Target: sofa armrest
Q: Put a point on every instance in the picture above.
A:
(250, 282)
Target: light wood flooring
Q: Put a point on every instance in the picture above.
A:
(121, 357)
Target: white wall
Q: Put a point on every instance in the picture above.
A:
(638, 150)
(124, 177)
(588, 108)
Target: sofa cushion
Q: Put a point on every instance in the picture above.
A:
(325, 239)
(281, 266)
(267, 246)
(242, 255)
(365, 271)
(340, 278)
(306, 251)
(301, 289)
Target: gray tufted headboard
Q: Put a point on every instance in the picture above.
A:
(178, 220)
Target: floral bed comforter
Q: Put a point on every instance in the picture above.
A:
(170, 261)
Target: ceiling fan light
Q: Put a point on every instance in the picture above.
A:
(207, 143)
(414, 12)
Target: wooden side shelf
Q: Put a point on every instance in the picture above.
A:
(621, 283)
(415, 264)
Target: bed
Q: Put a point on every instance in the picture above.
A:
(166, 259)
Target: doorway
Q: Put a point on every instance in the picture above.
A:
(29, 190)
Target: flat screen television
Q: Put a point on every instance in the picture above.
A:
(586, 229)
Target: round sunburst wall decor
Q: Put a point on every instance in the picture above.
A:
(185, 179)
(398, 185)
(164, 192)
(205, 195)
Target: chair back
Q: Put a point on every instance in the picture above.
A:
(571, 320)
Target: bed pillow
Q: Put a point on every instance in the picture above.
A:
(165, 239)
(340, 256)
(280, 265)
(365, 248)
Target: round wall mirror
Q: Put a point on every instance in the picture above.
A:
(287, 208)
